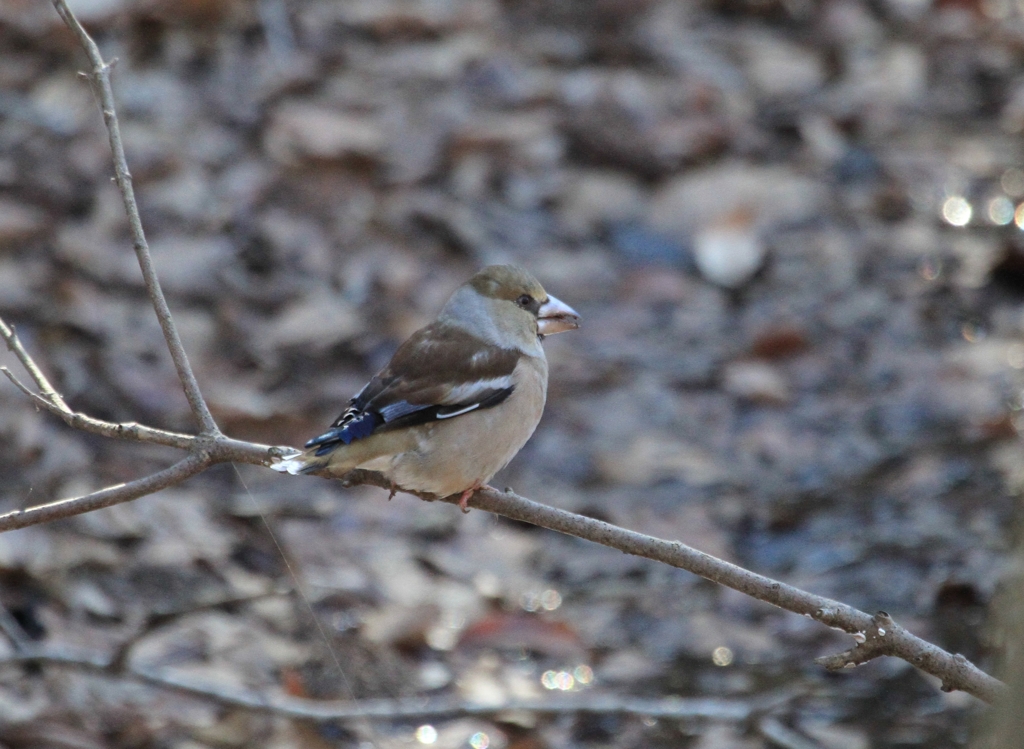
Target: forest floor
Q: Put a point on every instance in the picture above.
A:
(789, 228)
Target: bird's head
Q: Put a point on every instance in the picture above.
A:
(506, 305)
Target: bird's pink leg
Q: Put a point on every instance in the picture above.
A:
(464, 499)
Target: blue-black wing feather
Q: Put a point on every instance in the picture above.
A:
(390, 401)
(362, 423)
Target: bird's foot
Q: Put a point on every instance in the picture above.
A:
(464, 499)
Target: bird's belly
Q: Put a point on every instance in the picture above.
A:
(467, 451)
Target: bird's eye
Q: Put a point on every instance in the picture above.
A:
(524, 301)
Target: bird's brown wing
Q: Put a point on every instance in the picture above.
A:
(440, 372)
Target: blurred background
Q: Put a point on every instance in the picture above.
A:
(793, 230)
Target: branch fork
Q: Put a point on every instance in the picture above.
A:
(869, 644)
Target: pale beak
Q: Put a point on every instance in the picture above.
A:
(555, 316)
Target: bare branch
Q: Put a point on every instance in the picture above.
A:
(10, 337)
(112, 495)
(226, 450)
(51, 400)
(40, 401)
(955, 671)
(128, 430)
(885, 637)
(207, 450)
(870, 644)
(719, 709)
(221, 449)
(438, 707)
(100, 77)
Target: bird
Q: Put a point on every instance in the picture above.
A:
(458, 399)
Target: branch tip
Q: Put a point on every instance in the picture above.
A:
(105, 94)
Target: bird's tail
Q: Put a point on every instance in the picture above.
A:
(297, 463)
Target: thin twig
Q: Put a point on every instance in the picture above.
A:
(100, 77)
(112, 495)
(438, 707)
(679, 708)
(224, 449)
(40, 400)
(204, 450)
(10, 337)
(125, 430)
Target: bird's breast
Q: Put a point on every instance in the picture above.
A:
(455, 454)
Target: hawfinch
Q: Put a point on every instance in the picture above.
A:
(458, 399)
